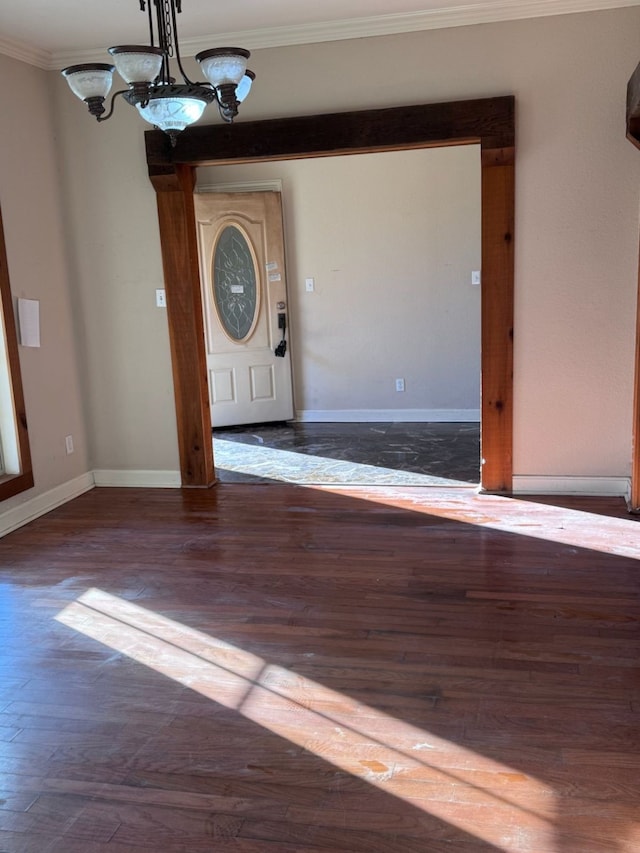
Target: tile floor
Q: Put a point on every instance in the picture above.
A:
(347, 453)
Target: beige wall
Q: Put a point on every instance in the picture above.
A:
(390, 240)
(576, 230)
(38, 268)
(113, 236)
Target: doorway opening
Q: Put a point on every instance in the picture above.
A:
(381, 252)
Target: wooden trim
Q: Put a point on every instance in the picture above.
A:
(633, 135)
(13, 484)
(634, 496)
(488, 121)
(498, 201)
(633, 108)
(429, 125)
(186, 331)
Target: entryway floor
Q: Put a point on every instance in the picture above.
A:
(419, 454)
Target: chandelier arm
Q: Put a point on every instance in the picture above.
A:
(162, 35)
(176, 45)
(150, 16)
(112, 105)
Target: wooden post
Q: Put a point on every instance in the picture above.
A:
(498, 201)
(186, 333)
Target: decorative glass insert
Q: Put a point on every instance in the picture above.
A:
(235, 288)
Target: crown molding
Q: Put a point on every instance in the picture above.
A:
(489, 11)
(26, 53)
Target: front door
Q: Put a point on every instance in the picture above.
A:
(241, 248)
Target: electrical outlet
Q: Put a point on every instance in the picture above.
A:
(399, 384)
(161, 298)
(68, 443)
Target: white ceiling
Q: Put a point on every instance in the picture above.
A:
(54, 33)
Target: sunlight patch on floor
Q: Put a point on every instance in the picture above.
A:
(575, 528)
(438, 776)
(303, 468)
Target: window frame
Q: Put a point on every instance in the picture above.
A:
(13, 483)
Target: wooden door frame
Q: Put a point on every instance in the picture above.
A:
(489, 122)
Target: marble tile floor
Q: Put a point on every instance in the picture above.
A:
(405, 454)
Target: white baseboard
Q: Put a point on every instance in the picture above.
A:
(41, 504)
(596, 486)
(389, 416)
(33, 508)
(139, 479)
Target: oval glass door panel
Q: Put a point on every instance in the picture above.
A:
(235, 283)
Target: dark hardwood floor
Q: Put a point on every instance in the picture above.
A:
(282, 669)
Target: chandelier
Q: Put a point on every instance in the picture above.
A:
(160, 100)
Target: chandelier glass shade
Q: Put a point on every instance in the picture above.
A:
(137, 64)
(146, 69)
(172, 111)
